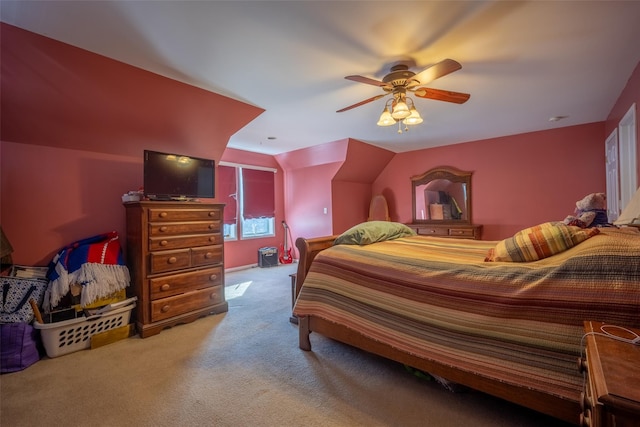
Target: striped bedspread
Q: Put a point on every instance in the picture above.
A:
(437, 298)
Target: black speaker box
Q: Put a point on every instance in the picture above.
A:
(268, 257)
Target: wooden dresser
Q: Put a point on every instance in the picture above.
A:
(456, 231)
(611, 395)
(175, 253)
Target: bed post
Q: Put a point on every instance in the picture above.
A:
(308, 249)
(303, 331)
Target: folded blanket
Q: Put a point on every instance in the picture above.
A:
(96, 263)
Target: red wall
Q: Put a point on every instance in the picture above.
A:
(73, 128)
(336, 176)
(54, 196)
(517, 181)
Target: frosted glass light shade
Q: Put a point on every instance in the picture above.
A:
(400, 111)
(414, 118)
(386, 119)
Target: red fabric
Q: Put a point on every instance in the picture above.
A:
(258, 193)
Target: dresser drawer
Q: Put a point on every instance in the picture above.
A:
(194, 214)
(169, 260)
(186, 241)
(185, 303)
(461, 232)
(429, 231)
(170, 228)
(175, 284)
(206, 255)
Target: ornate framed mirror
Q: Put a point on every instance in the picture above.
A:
(442, 196)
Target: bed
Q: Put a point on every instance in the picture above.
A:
(456, 309)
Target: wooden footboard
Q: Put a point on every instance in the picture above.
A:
(308, 249)
(564, 409)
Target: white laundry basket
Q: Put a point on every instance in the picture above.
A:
(65, 337)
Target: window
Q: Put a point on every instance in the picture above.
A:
(228, 190)
(251, 193)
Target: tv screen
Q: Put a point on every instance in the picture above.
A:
(175, 176)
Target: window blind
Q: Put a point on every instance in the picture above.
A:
(258, 197)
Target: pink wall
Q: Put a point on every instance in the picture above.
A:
(58, 95)
(308, 175)
(350, 202)
(308, 193)
(336, 176)
(73, 128)
(517, 181)
(54, 196)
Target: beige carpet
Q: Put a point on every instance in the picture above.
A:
(241, 368)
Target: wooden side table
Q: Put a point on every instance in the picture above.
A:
(611, 395)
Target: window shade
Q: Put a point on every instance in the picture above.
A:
(258, 193)
(228, 190)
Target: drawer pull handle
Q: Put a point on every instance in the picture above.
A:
(165, 308)
(165, 287)
(213, 296)
(163, 215)
(212, 239)
(212, 226)
(212, 213)
(163, 243)
(172, 260)
(163, 228)
(208, 255)
(213, 277)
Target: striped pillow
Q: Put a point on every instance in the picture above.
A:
(540, 241)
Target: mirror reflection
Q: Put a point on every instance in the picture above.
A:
(442, 195)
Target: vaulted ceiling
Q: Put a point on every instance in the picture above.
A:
(523, 62)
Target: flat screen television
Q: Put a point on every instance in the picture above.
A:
(170, 176)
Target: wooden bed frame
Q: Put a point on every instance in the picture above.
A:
(567, 410)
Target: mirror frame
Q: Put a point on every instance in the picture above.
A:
(443, 172)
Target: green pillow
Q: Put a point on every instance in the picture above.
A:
(372, 232)
(538, 242)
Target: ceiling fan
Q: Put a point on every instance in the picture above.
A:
(400, 81)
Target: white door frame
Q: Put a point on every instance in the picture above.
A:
(613, 176)
(627, 156)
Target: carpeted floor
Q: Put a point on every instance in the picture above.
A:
(241, 368)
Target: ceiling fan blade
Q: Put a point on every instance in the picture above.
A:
(366, 80)
(436, 71)
(442, 95)
(366, 101)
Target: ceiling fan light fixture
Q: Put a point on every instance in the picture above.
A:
(413, 118)
(385, 118)
(400, 110)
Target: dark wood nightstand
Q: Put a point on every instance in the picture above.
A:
(611, 395)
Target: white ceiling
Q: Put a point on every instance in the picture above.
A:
(522, 61)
